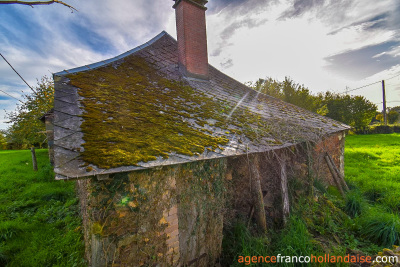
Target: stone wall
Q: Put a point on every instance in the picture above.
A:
(171, 216)
(334, 146)
(174, 215)
(293, 168)
(271, 164)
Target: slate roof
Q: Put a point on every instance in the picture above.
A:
(246, 121)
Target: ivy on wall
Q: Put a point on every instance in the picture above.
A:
(126, 213)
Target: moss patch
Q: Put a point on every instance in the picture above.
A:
(133, 114)
(139, 115)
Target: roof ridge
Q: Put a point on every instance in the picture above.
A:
(110, 60)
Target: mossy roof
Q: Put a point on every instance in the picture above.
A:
(137, 111)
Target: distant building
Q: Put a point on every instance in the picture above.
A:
(48, 120)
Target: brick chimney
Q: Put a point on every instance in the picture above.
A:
(192, 37)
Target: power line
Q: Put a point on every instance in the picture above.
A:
(347, 90)
(17, 73)
(393, 77)
(11, 96)
(387, 102)
(358, 88)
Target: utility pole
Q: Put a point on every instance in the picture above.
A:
(384, 102)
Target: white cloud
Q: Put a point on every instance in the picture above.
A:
(297, 47)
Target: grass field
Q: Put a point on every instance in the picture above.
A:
(39, 220)
(372, 163)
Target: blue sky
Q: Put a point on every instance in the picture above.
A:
(325, 45)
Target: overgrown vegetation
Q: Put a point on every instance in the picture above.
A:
(364, 222)
(39, 220)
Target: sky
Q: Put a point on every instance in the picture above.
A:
(334, 45)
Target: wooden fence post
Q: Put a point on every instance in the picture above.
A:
(34, 162)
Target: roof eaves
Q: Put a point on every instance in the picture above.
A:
(107, 61)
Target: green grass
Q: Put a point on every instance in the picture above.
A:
(295, 239)
(240, 241)
(372, 163)
(381, 227)
(355, 203)
(39, 220)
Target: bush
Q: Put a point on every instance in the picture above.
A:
(383, 129)
(381, 227)
(378, 129)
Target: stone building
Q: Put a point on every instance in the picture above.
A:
(167, 149)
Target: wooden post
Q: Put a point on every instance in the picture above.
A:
(341, 177)
(285, 192)
(334, 175)
(34, 162)
(258, 198)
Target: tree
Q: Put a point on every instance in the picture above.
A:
(37, 3)
(393, 116)
(379, 117)
(269, 87)
(26, 129)
(355, 111)
(397, 108)
(3, 140)
(290, 92)
(362, 112)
